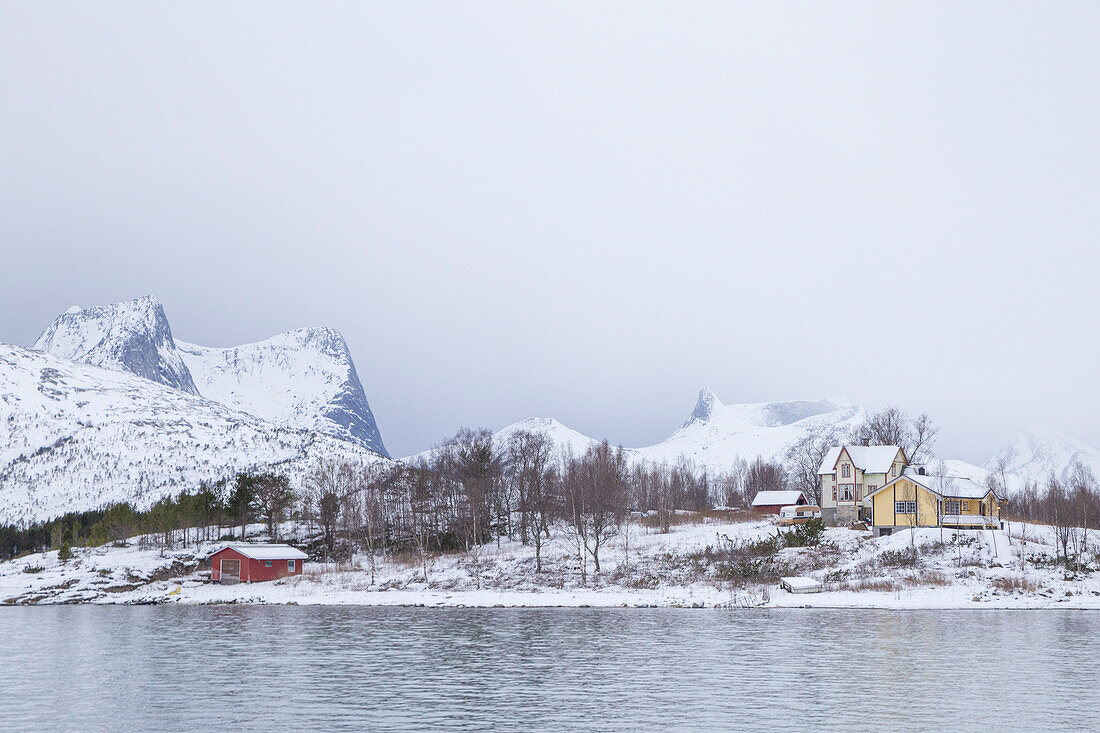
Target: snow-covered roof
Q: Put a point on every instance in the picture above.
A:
(799, 582)
(267, 552)
(955, 487)
(774, 498)
(868, 458)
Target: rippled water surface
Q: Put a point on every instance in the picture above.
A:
(277, 668)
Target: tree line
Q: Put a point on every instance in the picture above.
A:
(464, 493)
(473, 490)
(188, 517)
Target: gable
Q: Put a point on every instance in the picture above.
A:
(866, 458)
(953, 487)
(828, 463)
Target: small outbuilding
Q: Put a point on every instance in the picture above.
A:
(770, 502)
(255, 563)
(800, 584)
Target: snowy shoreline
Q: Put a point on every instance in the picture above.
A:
(990, 570)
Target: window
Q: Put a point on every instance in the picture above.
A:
(905, 507)
(845, 470)
(966, 506)
(290, 566)
(951, 507)
(895, 470)
(845, 492)
(834, 493)
(267, 564)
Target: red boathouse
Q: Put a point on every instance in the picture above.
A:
(255, 563)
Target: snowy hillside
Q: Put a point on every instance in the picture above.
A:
(1033, 455)
(133, 336)
(565, 438)
(75, 437)
(303, 379)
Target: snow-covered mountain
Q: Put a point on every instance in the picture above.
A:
(717, 436)
(303, 379)
(132, 336)
(75, 437)
(1034, 454)
(564, 438)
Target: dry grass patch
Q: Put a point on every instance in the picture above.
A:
(926, 578)
(707, 516)
(406, 559)
(1016, 584)
(855, 585)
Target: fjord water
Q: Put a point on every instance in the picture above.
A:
(85, 668)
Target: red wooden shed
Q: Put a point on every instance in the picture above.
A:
(255, 563)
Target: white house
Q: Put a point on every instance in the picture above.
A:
(850, 473)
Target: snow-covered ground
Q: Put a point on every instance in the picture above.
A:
(639, 567)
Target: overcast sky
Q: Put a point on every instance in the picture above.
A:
(587, 211)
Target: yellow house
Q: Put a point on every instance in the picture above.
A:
(919, 499)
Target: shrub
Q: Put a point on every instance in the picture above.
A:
(707, 516)
(64, 552)
(803, 535)
(898, 558)
(763, 547)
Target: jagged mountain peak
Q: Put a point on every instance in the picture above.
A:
(131, 336)
(708, 409)
(705, 405)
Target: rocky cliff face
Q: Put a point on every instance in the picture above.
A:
(304, 378)
(133, 336)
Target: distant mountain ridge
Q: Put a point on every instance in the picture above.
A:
(1036, 454)
(303, 379)
(715, 436)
